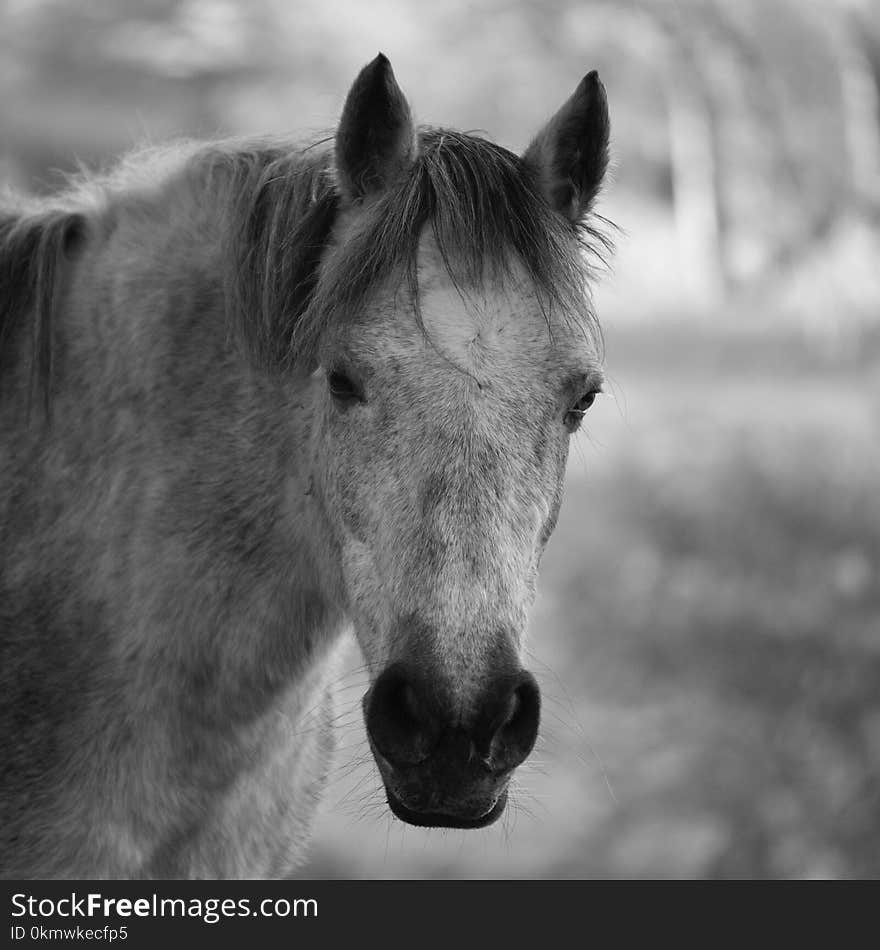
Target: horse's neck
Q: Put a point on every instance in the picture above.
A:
(164, 551)
(211, 560)
(234, 594)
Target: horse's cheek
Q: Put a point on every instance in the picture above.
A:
(367, 604)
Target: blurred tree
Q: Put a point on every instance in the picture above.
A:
(756, 122)
(772, 126)
(857, 43)
(92, 78)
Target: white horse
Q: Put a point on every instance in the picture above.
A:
(252, 396)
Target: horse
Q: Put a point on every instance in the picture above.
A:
(254, 396)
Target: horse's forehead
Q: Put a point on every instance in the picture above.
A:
(497, 323)
(497, 326)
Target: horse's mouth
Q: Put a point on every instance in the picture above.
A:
(436, 819)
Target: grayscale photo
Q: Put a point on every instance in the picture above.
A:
(437, 442)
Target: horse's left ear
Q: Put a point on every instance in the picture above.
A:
(570, 154)
(375, 141)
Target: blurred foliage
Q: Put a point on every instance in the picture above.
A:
(711, 600)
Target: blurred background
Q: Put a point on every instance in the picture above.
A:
(707, 632)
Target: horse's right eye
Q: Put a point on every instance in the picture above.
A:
(344, 390)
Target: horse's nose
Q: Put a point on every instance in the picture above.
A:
(409, 721)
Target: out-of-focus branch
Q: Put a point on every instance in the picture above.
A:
(860, 100)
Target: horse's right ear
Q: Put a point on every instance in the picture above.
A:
(570, 154)
(376, 140)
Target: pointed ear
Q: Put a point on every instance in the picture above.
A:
(376, 139)
(570, 154)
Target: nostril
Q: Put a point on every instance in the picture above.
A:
(515, 735)
(408, 702)
(402, 708)
(514, 708)
(396, 719)
(525, 710)
(396, 702)
(391, 701)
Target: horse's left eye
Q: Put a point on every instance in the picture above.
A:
(575, 414)
(344, 390)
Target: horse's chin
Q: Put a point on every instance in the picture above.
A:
(433, 819)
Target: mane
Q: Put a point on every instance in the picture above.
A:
(281, 204)
(481, 201)
(33, 258)
(40, 238)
